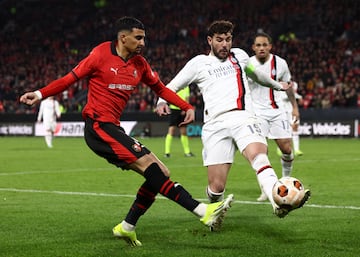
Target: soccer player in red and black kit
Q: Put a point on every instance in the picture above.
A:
(114, 69)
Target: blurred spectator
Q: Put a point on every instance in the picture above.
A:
(320, 40)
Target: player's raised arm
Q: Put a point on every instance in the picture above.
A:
(263, 79)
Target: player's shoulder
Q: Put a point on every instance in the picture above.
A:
(279, 58)
(199, 58)
(139, 59)
(240, 55)
(102, 46)
(101, 49)
(239, 51)
(253, 59)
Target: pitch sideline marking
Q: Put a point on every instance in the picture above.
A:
(158, 197)
(56, 171)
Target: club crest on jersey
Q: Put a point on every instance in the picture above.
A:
(135, 73)
(137, 147)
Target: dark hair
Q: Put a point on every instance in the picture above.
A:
(128, 23)
(263, 34)
(220, 27)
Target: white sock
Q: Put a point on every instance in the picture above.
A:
(127, 226)
(200, 210)
(214, 197)
(267, 179)
(265, 175)
(262, 191)
(286, 164)
(48, 140)
(296, 141)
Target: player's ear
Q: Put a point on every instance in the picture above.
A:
(121, 37)
(209, 40)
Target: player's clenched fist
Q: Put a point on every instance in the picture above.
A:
(29, 98)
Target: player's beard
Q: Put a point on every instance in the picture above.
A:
(222, 54)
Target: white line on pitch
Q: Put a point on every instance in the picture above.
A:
(55, 171)
(159, 197)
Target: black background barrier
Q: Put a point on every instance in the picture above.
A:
(332, 114)
(314, 122)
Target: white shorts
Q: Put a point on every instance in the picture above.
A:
(50, 125)
(226, 133)
(288, 108)
(275, 125)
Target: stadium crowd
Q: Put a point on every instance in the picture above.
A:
(42, 40)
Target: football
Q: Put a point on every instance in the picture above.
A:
(288, 192)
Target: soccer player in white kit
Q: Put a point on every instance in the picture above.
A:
(269, 105)
(49, 112)
(230, 123)
(294, 123)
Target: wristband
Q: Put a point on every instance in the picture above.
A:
(38, 94)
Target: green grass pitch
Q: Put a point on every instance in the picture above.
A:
(64, 202)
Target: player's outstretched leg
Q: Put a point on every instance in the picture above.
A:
(215, 213)
(281, 212)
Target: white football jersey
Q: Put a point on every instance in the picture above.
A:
(223, 84)
(49, 110)
(265, 98)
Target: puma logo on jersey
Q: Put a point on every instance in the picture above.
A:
(114, 70)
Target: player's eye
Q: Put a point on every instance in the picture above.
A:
(139, 37)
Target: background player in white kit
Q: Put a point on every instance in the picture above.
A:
(229, 121)
(49, 112)
(269, 105)
(294, 123)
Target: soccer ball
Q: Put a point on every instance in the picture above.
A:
(288, 192)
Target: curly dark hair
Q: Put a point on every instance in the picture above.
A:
(220, 27)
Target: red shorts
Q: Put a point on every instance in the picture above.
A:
(112, 143)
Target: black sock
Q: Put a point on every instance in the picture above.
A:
(144, 199)
(172, 190)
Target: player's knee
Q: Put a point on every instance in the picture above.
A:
(285, 146)
(154, 171)
(286, 150)
(149, 160)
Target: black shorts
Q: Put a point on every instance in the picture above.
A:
(176, 117)
(112, 143)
